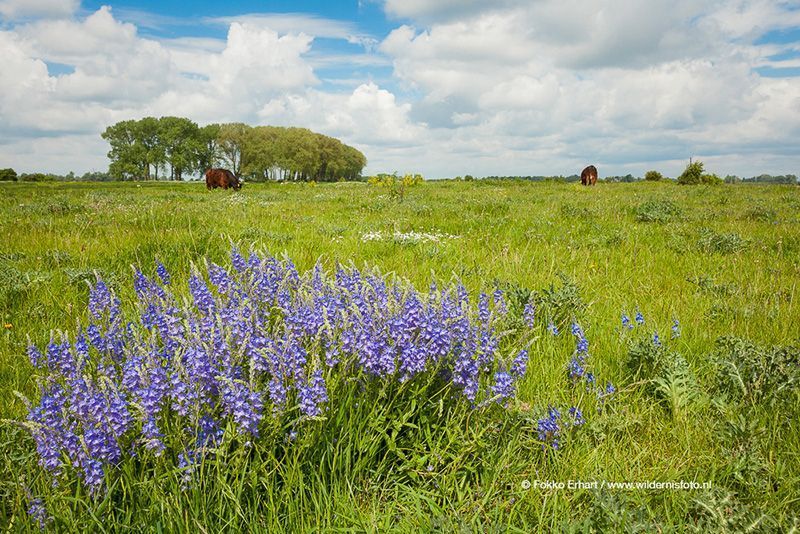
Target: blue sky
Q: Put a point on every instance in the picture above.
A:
(445, 88)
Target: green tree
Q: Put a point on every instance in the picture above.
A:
(139, 149)
(261, 149)
(8, 175)
(230, 140)
(128, 155)
(36, 177)
(179, 138)
(208, 152)
(692, 174)
(149, 135)
(653, 176)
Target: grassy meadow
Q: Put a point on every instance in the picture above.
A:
(722, 261)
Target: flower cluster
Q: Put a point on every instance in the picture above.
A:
(259, 341)
(639, 319)
(407, 238)
(551, 427)
(576, 369)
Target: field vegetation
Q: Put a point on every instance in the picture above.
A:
(680, 302)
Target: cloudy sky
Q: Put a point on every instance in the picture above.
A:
(445, 87)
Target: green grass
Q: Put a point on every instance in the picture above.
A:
(722, 260)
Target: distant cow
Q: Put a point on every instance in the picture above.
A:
(589, 175)
(222, 178)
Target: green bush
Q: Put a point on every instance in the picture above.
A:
(658, 211)
(750, 373)
(653, 176)
(710, 179)
(692, 174)
(558, 305)
(710, 241)
(36, 177)
(8, 175)
(666, 374)
(762, 214)
(396, 185)
(571, 210)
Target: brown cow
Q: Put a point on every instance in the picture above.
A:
(589, 175)
(222, 178)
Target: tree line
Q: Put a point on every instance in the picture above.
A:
(173, 147)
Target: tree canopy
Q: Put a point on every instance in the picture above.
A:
(141, 149)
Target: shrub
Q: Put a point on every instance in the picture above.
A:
(653, 176)
(710, 179)
(397, 186)
(552, 305)
(668, 376)
(658, 210)
(36, 177)
(762, 214)
(750, 373)
(18, 282)
(719, 510)
(730, 243)
(8, 175)
(692, 174)
(571, 210)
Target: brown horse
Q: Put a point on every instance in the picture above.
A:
(222, 178)
(589, 175)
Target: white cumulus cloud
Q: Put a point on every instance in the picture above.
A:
(20, 9)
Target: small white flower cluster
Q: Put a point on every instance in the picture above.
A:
(407, 238)
(372, 236)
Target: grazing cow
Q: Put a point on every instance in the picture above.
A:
(222, 178)
(589, 175)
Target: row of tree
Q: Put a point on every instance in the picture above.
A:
(94, 176)
(173, 147)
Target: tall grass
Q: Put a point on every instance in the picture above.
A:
(344, 475)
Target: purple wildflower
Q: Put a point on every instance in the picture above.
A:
(581, 343)
(577, 416)
(576, 369)
(484, 313)
(163, 274)
(238, 352)
(676, 328)
(626, 322)
(35, 356)
(499, 302)
(529, 314)
(203, 298)
(549, 428)
(38, 512)
(187, 461)
(102, 301)
(520, 364)
(313, 394)
(503, 387)
(238, 261)
(552, 328)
